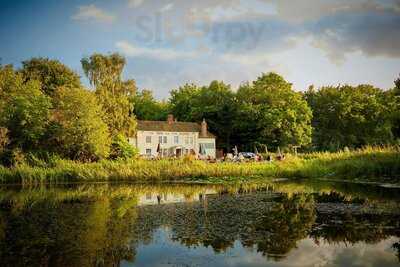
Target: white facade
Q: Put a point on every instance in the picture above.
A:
(172, 144)
(153, 198)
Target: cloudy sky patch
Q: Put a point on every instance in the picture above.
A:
(168, 43)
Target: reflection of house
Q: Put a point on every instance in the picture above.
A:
(169, 198)
(172, 138)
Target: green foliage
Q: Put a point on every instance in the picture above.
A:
(148, 108)
(24, 110)
(397, 86)
(271, 113)
(114, 95)
(12, 157)
(182, 101)
(349, 116)
(50, 73)
(380, 164)
(393, 103)
(216, 103)
(78, 129)
(4, 140)
(121, 149)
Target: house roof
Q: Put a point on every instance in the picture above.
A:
(176, 126)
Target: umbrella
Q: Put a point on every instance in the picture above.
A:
(255, 150)
(202, 151)
(279, 151)
(235, 151)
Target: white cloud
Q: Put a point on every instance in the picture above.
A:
(131, 50)
(93, 13)
(167, 7)
(135, 3)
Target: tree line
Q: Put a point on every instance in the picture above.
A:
(268, 112)
(46, 110)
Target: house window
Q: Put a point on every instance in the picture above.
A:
(162, 139)
(148, 139)
(191, 140)
(186, 140)
(148, 151)
(207, 145)
(176, 139)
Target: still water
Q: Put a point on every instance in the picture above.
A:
(276, 224)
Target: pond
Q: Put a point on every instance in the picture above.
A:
(284, 223)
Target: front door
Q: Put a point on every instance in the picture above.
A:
(178, 152)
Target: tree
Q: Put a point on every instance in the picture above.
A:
(393, 102)
(105, 74)
(182, 101)
(24, 110)
(349, 116)
(397, 86)
(50, 73)
(216, 103)
(272, 113)
(148, 108)
(78, 129)
(122, 149)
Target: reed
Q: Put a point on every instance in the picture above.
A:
(370, 163)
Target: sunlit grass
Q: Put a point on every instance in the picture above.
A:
(370, 162)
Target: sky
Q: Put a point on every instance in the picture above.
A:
(168, 43)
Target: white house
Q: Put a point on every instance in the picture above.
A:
(153, 198)
(171, 138)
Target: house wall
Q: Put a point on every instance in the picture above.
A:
(209, 144)
(184, 141)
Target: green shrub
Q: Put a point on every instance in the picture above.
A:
(121, 149)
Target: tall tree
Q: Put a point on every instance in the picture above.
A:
(217, 104)
(397, 86)
(182, 101)
(393, 102)
(51, 74)
(272, 113)
(349, 116)
(146, 107)
(24, 110)
(78, 129)
(105, 74)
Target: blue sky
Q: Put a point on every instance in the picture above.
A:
(171, 42)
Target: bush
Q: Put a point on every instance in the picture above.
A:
(121, 149)
(79, 131)
(12, 157)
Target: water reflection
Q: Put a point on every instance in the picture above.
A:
(287, 223)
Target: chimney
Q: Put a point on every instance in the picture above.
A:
(170, 119)
(204, 128)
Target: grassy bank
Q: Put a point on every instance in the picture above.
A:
(376, 164)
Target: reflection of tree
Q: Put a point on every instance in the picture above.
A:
(396, 246)
(352, 228)
(254, 219)
(67, 234)
(277, 231)
(102, 226)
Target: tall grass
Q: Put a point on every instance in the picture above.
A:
(374, 163)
